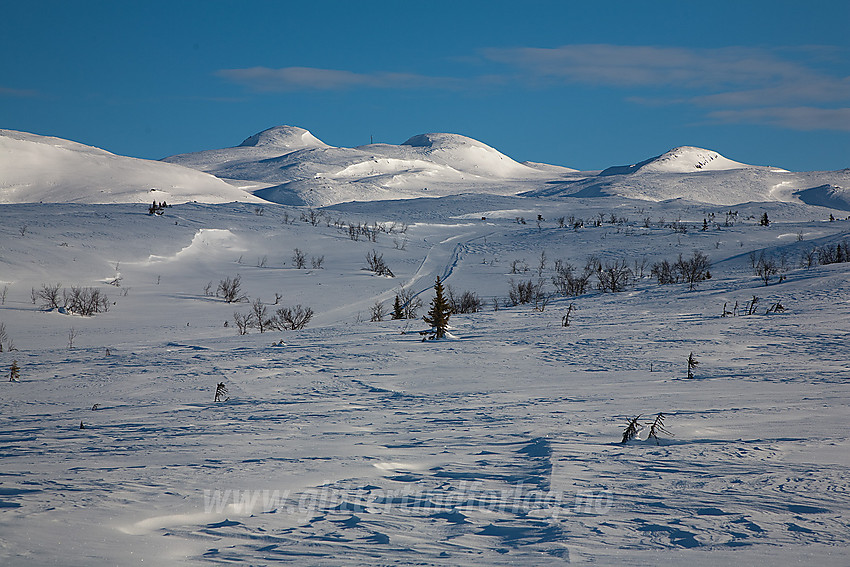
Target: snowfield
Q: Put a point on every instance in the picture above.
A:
(52, 170)
(355, 442)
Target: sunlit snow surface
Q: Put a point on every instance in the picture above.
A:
(355, 442)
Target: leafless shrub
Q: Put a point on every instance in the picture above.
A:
(541, 264)
(299, 260)
(49, 296)
(292, 318)
(3, 293)
(614, 276)
(230, 290)
(85, 301)
(375, 263)
(311, 216)
(243, 321)
(377, 312)
(694, 269)
(640, 266)
(259, 313)
(408, 304)
(568, 282)
(466, 302)
(317, 262)
(72, 334)
(6, 343)
(766, 268)
(519, 266)
(521, 293)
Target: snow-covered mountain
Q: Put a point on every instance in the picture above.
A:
(300, 169)
(37, 168)
(705, 176)
(685, 159)
(288, 165)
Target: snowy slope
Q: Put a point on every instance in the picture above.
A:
(685, 159)
(295, 168)
(704, 176)
(353, 442)
(312, 173)
(45, 169)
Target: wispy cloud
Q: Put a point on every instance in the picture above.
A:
(783, 87)
(794, 118)
(724, 76)
(265, 79)
(19, 93)
(733, 84)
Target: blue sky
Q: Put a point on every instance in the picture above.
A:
(581, 84)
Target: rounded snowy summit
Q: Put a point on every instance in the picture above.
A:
(467, 154)
(288, 137)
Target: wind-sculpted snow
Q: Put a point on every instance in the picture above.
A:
(831, 196)
(352, 442)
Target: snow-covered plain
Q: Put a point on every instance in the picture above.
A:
(353, 442)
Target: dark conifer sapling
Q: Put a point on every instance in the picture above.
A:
(631, 430)
(692, 363)
(439, 313)
(221, 392)
(15, 372)
(657, 427)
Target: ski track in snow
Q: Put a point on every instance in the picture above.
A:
(501, 447)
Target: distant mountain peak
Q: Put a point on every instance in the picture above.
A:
(683, 159)
(287, 137)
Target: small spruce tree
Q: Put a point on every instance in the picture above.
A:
(15, 372)
(398, 308)
(221, 392)
(692, 363)
(631, 429)
(439, 313)
(764, 221)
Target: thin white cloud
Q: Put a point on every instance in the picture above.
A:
(729, 75)
(783, 87)
(19, 93)
(794, 118)
(265, 79)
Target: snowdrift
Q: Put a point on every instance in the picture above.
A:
(46, 169)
